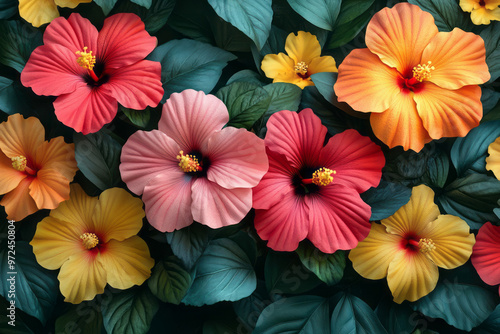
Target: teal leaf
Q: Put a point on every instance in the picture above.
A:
(8, 8)
(447, 14)
(328, 267)
(351, 9)
(491, 37)
(298, 314)
(18, 41)
(139, 118)
(11, 321)
(324, 83)
(189, 243)
(106, 5)
(12, 99)
(223, 272)
(130, 311)
(353, 316)
(169, 281)
(489, 99)
(248, 309)
(187, 64)
(253, 18)
(154, 16)
(82, 318)
(386, 199)
(396, 318)
(143, 3)
(321, 13)
(460, 305)
(35, 289)
(98, 157)
(491, 325)
(274, 45)
(438, 167)
(245, 76)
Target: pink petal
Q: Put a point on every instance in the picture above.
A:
(237, 158)
(123, 41)
(136, 86)
(144, 156)
(73, 34)
(52, 70)
(285, 224)
(357, 160)
(86, 110)
(190, 117)
(485, 254)
(338, 217)
(168, 201)
(298, 136)
(216, 207)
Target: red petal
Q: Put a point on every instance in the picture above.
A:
(485, 254)
(73, 34)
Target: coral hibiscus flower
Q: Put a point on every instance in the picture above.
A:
(302, 61)
(192, 168)
(409, 246)
(482, 11)
(493, 159)
(91, 72)
(485, 255)
(312, 191)
(418, 83)
(34, 173)
(39, 12)
(93, 240)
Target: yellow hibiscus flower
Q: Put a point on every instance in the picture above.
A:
(38, 12)
(482, 11)
(493, 159)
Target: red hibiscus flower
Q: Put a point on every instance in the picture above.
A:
(485, 254)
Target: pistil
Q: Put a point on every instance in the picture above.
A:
(420, 73)
(20, 163)
(301, 68)
(87, 60)
(89, 240)
(321, 177)
(188, 163)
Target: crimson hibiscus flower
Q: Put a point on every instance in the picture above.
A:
(91, 72)
(312, 191)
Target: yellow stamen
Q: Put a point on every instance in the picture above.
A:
(423, 72)
(89, 240)
(19, 163)
(323, 176)
(188, 163)
(301, 68)
(85, 59)
(426, 245)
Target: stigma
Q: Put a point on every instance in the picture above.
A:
(423, 72)
(321, 177)
(301, 68)
(20, 163)
(426, 245)
(87, 61)
(89, 240)
(188, 163)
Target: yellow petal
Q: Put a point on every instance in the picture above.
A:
(118, 215)
(493, 159)
(38, 12)
(19, 136)
(58, 155)
(452, 240)
(484, 16)
(278, 66)
(49, 188)
(469, 5)
(127, 262)
(372, 256)
(70, 3)
(18, 203)
(322, 64)
(302, 47)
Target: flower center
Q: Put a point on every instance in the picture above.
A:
(188, 163)
(20, 163)
(301, 68)
(87, 61)
(89, 240)
(426, 245)
(423, 72)
(321, 177)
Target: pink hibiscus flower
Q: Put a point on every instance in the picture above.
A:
(91, 72)
(486, 254)
(192, 169)
(312, 191)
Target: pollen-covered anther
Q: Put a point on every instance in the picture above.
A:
(423, 72)
(89, 240)
(426, 245)
(188, 163)
(301, 68)
(323, 176)
(85, 59)
(19, 163)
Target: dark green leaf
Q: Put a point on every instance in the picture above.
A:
(11, 321)
(18, 41)
(438, 167)
(321, 13)
(491, 325)
(226, 325)
(447, 14)
(226, 36)
(396, 318)
(344, 32)
(82, 318)
(106, 5)
(169, 281)
(154, 18)
(190, 18)
(137, 117)
(274, 45)
(491, 36)
(489, 99)
(12, 99)
(143, 3)
(248, 309)
(386, 199)
(8, 8)
(351, 9)
(328, 267)
(298, 314)
(189, 243)
(245, 76)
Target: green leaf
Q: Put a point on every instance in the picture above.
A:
(18, 41)
(253, 18)
(189, 243)
(106, 5)
(143, 3)
(328, 267)
(489, 99)
(246, 76)
(219, 326)
(447, 14)
(491, 36)
(223, 272)
(248, 309)
(469, 153)
(11, 321)
(82, 318)
(321, 13)
(353, 316)
(130, 311)
(35, 289)
(187, 64)
(438, 167)
(169, 281)
(351, 9)
(396, 318)
(298, 314)
(460, 305)
(491, 325)
(189, 17)
(154, 16)
(12, 97)
(246, 103)
(137, 117)
(386, 199)
(98, 157)
(8, 8)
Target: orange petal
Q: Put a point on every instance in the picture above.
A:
(372, 256)
(302, 47)
(322, 64)
(38, 12)
(398, 35)
(49, 188)
(18, 203)
(58, 155)
(365, 83)
(19, 136)
(10, 177)
(493, 159)
(400, 124)
(459, 59)
(127, 262)
(411, 276)
(448, 113)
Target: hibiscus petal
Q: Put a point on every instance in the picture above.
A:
(70, 3)
(168, 201)
(411, 276)
(493, 158)
(279, 67)
(338, 218)
(123, 41)
(49, 188)
(73, 34)
(19, 136)
(285, 224)
(485, 254)
(372, 256)
(400, 125)
(238, 158)
(484, 16)
(459, 59)
(117, 215)
(322, 64)
(127, 262)
(18, 203)
(298, 136)
(356, 159)
(10, 177)
(398, 35)
(56, 154)
(302, 47)
(38, 12)
(190, 117)
(136, 86)
(145, 155)
(449, 113)
(365, 83)
(86, 109)
(216, 207)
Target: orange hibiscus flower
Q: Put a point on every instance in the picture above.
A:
(34, 173)
(419, 84)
